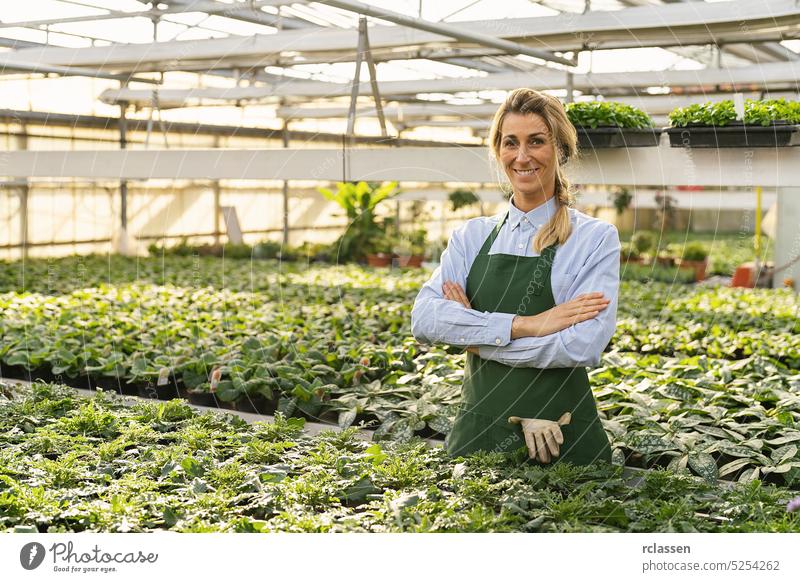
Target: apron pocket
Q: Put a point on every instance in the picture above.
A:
(473, 431)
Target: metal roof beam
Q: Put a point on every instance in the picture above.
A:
(9, 65)
(207, 6)
(249, 13)
(48, 119)
(752, 52)
(447, 30)
(14, 43)
(652, 104)
(656, 25)
(772, 50)
(767, 76)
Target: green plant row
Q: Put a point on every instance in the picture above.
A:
(725, 252)
(593, 114)
(71, 465)
(719, 418)
(654, 272)
(335, 342)
(721, 113)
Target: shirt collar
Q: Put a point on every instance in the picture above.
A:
(536, 217)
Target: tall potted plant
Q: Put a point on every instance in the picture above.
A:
(364, 235)
(695, 257)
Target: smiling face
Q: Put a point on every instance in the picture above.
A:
(528, 155)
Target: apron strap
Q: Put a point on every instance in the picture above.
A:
(547, 253)
(487, 244)
(546, 257)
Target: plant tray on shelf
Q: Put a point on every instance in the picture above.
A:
(735, 135)
(617, 137)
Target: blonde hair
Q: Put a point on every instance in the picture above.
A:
(527, 101)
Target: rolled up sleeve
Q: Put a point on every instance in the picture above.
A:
(435, 319)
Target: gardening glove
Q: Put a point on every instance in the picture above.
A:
(543, 437)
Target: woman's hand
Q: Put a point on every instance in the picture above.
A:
(454, 292)
(582, 308)
(560, 317)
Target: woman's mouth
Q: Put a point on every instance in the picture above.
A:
(528, 172)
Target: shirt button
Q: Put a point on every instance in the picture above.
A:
(497, 341)
(462, 340)
(520, 245)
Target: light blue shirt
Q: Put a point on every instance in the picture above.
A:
(587, 262)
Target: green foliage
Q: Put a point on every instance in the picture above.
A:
(364, 235)
(643, 241)
(629, 251)
(694, 251)
(462, 198)
(721, 113)
(267, 249)
(654, 272)
(621, 198)
(726, 250)
(607, 113)
(334, 341)
(412, 242)
(273, 477)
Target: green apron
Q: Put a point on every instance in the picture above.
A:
(492, 391)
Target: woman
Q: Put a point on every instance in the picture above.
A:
(532, 294)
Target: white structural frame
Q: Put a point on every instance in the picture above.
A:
(780, 75)
(456, 32)
(653, 104)
(648, 166)
(662, 25)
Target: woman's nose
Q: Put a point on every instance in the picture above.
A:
(522, 153)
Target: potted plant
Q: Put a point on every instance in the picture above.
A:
(608, 124)
(664, 258)
(766, 123)
(621, 198)
(642, 242)
(462, 198)
(411, 248)
(363, 234)
(695, 257)
(379, 251)
(629, 254)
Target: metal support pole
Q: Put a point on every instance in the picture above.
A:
(123, 184)
(787, 239)
(570, 86)
(285, 190)
(758, 229)
(217, 212)
(373, 75)
(351, 114)
(24, 193)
